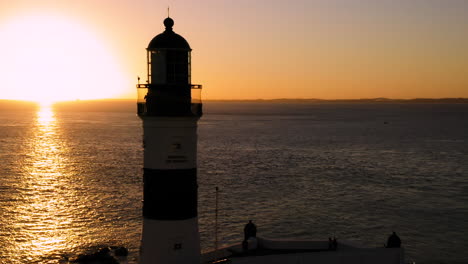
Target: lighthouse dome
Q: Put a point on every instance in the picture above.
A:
(168, 39)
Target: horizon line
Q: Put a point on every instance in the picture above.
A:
(261, 99)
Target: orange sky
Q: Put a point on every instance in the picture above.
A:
(330, 49)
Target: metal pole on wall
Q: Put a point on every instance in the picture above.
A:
(216, 221)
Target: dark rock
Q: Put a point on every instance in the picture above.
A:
(121, 252)
(102, 256)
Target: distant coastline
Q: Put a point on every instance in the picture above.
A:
(364, 100)
(17, 105)
(122, 105)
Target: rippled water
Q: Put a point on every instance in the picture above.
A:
(71, 181)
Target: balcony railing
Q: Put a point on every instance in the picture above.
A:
(195, 93)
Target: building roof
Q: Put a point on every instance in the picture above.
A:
(168, 39)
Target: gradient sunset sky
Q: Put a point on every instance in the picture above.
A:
(243, 49)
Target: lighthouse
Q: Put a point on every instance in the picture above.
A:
(170, 107)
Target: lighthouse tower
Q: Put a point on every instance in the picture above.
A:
(170, 107)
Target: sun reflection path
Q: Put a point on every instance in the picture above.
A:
(43, 215)
(45, 116)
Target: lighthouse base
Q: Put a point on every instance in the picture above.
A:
(170, 242)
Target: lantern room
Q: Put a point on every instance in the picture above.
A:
(168, 90)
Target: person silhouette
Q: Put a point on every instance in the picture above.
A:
(250, 230)
(334, 244)
(393, 241)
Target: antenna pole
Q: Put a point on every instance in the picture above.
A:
(168, 11)
(216, 221)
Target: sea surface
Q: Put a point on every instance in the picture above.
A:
(71, 181)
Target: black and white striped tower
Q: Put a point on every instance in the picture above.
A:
(170, 107)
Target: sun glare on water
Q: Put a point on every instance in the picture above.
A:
(47, 58)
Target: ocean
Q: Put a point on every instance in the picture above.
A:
(72, 180)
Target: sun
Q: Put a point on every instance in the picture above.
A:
(50, 58)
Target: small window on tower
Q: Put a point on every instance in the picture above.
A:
(177, 246)
(176, 146)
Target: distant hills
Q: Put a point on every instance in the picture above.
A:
(125, 105)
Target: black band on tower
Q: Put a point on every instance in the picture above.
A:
(170, 194)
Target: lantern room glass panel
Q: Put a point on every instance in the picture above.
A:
(177, 66)
(158, 67)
